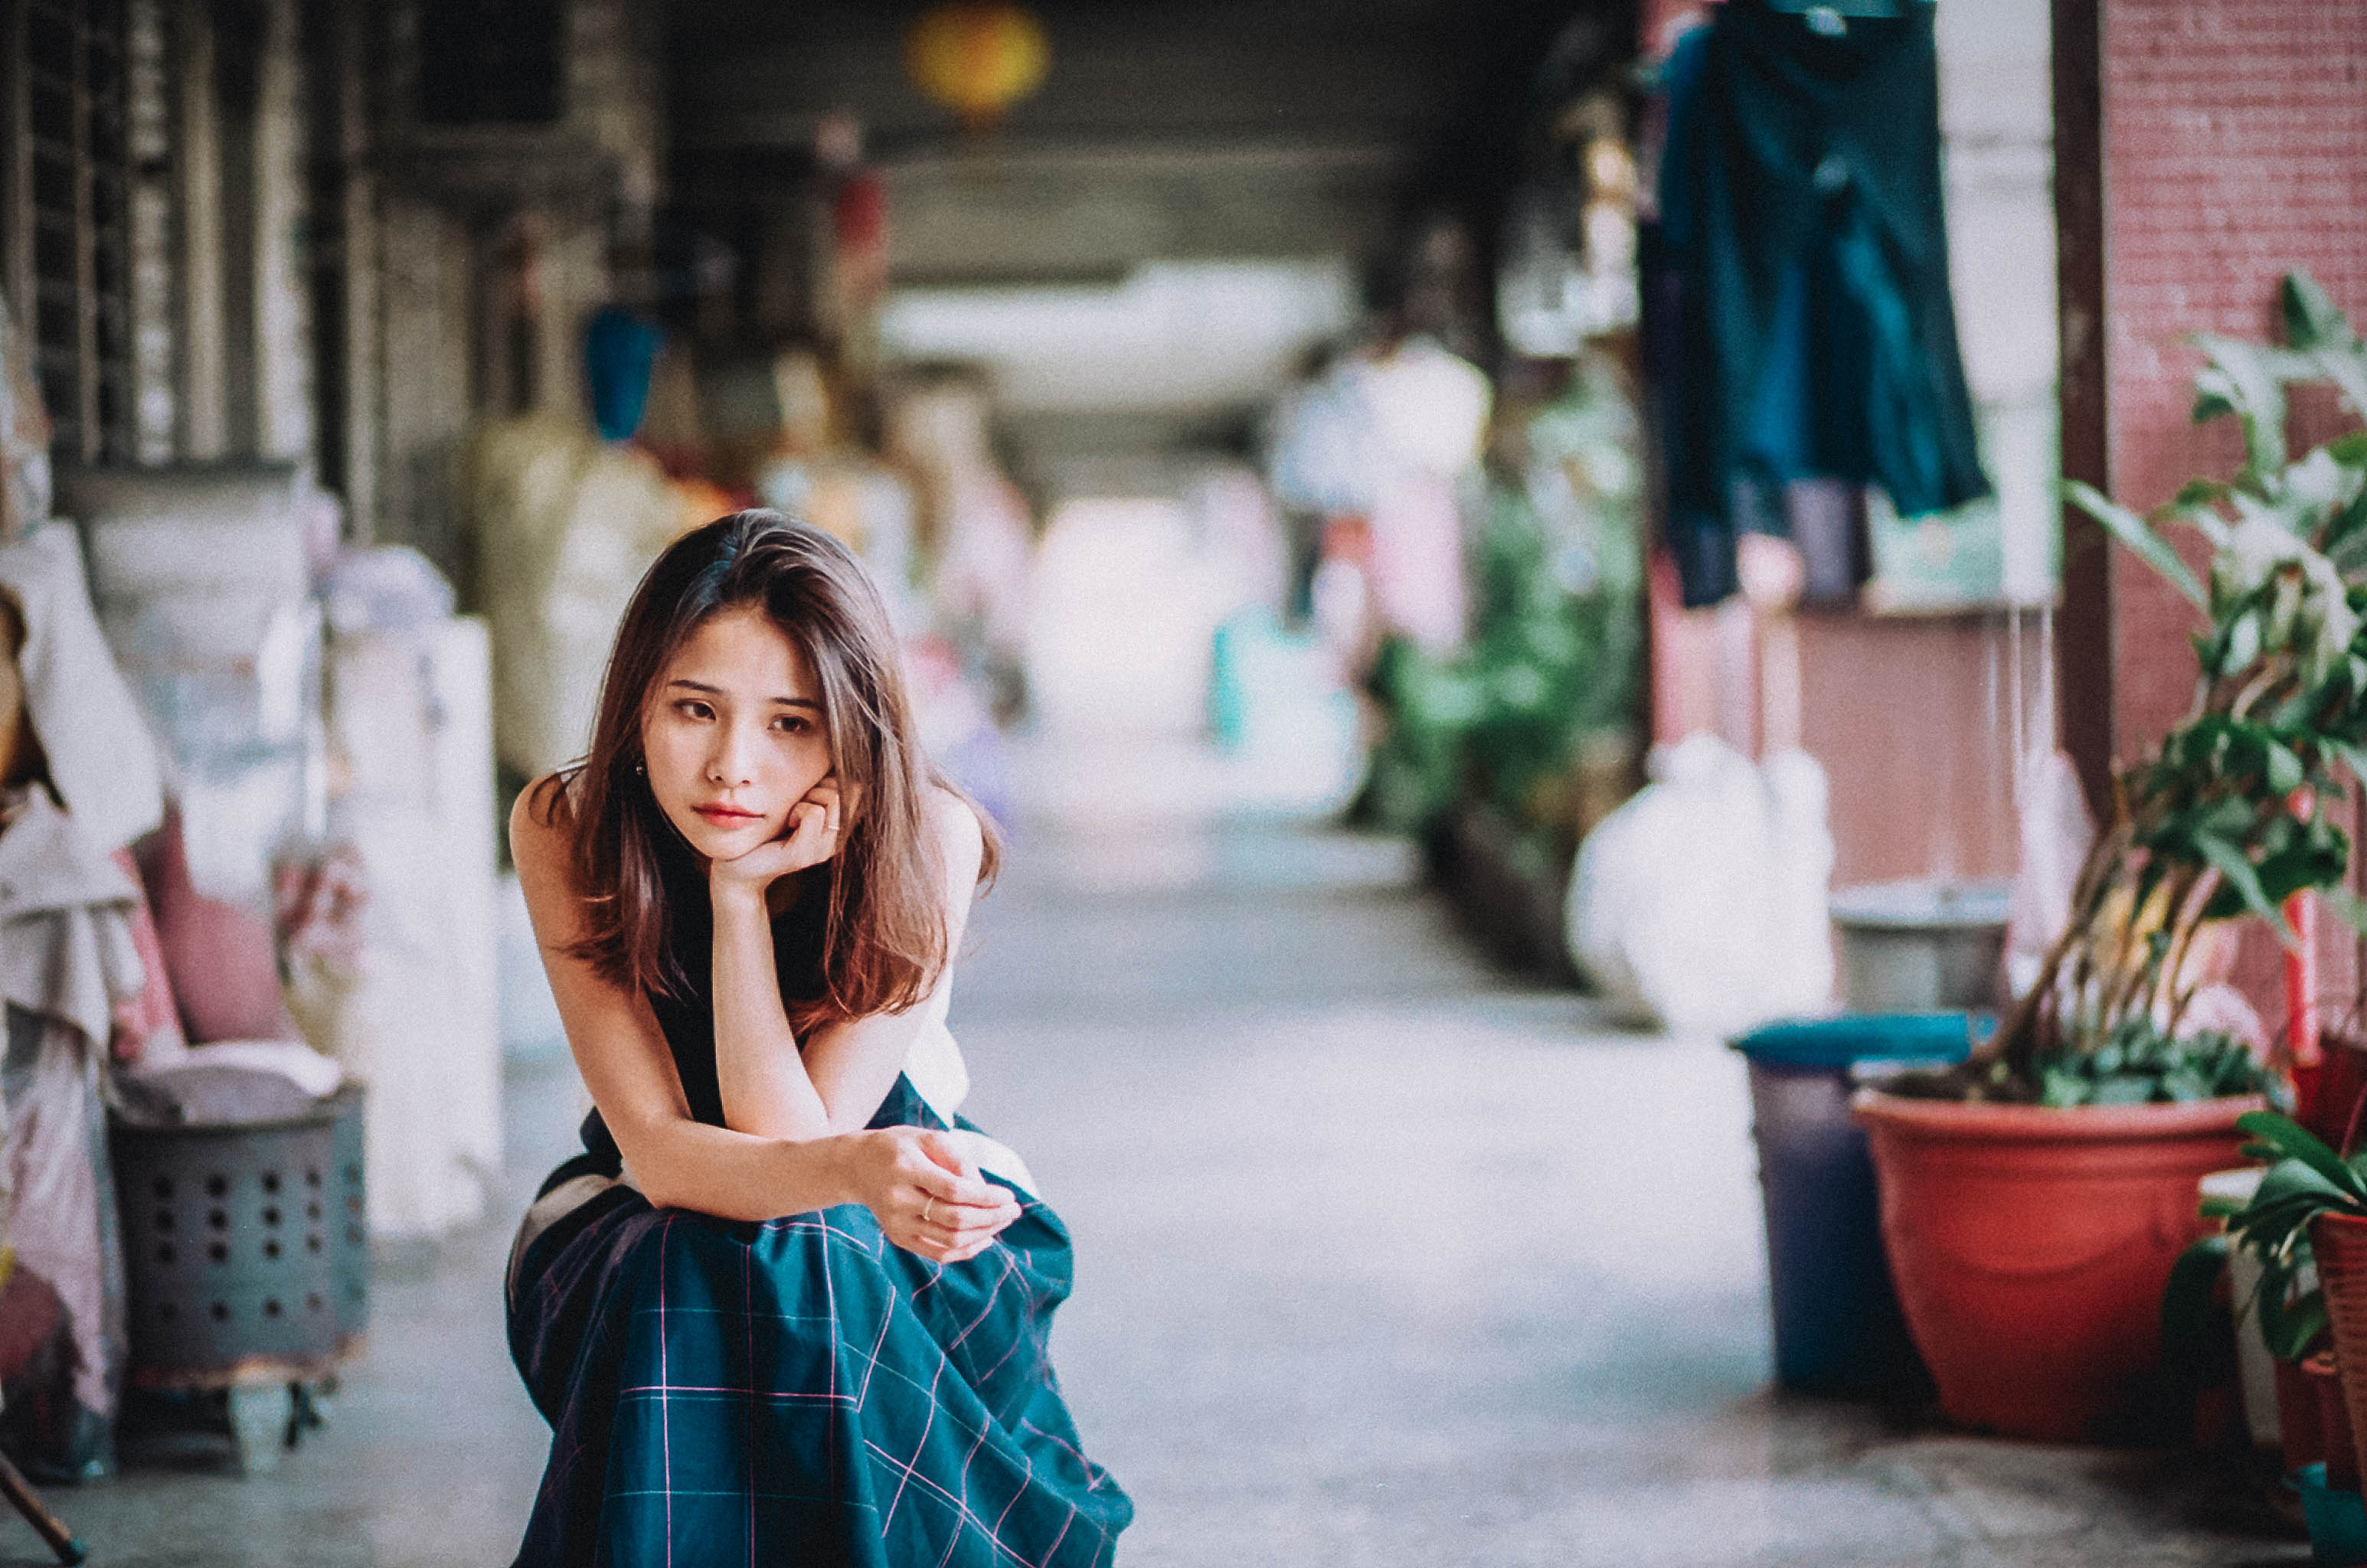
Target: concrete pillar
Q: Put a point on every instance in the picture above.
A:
(201, 415)
(283, 303)
(425, 310)
(352, 332)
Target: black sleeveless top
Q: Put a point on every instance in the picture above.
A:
(686, 1012)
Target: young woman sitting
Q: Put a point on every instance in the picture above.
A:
(788, 1306)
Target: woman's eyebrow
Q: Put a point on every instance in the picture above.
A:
(705, 690)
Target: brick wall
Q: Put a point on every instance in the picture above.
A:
(2234, 151)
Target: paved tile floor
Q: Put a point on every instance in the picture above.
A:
(1383, 1260)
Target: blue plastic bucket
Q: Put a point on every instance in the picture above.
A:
(1837, 1324)
(2336, 1519)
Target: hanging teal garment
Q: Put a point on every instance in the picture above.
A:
(619, 352)
(1801, 216)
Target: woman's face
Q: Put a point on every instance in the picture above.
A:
(735, 734)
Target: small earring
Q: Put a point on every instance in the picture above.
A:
(643, 769)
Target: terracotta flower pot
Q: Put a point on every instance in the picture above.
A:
(2339, 1242)
(2337, 1442)
(2031, 1245)
(2301, 1424)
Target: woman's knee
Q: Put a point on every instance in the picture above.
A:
(680, 1239)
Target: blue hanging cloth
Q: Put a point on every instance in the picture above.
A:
(619, 351)
(1803, 226)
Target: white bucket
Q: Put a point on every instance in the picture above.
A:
(2256, 1370)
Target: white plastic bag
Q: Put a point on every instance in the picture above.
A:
(2055, 834)
(1699, 905)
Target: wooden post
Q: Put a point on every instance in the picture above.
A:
(2084, 640)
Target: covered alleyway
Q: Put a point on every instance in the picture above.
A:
(1383, 1260)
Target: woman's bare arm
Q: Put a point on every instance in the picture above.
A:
(852, 1065)
(759, 1074)
(835, 1084)
(900, 1173)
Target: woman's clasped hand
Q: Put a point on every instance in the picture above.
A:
(927, 1195)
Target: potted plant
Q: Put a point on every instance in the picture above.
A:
(1505, 751)
(2035, 1198)
(2306, 1225)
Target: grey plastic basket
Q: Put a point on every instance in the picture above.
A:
(247, 1246)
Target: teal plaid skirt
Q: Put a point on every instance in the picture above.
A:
(800, 1392)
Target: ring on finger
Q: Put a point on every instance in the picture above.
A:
(926, 1207)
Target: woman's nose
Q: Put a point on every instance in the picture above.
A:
(729, 761)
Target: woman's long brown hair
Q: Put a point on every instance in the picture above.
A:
(883, 926)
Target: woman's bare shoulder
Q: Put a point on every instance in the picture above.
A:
(542, 830)
(954, 823)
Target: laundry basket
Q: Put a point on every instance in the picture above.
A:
(247, 1254)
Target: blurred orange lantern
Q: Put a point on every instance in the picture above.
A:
(977, 57)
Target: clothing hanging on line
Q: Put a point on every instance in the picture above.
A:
(1802, 225)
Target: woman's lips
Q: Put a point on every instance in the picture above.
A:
(726, 816)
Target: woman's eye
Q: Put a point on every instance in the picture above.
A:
(691, 709)
(790, 723)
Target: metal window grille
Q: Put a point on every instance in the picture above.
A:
(64, 195)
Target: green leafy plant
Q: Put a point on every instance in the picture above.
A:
(2231, 813)
(1556, 650)
(2305, 1179)
(2139, 1065)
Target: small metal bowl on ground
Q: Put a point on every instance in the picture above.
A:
(247, 1258)
(1920, 946)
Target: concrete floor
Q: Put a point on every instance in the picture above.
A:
(1382, 1259)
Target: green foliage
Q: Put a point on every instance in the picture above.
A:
(2135, 533)
(2233, 812)
(1556, 651)
(2281, 703)
(1419, 767)
(2138, 1065)
(2305, 1179)
(2198, 1335)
